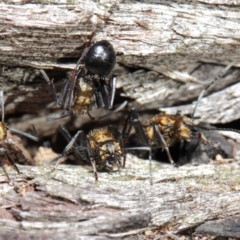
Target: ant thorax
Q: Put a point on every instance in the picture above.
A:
(165, 125)
(3, 131)
(83, 97)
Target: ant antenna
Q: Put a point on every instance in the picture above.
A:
(34, 138)
(76, 72)
(220, 75)
(220, 129)
(50, 84)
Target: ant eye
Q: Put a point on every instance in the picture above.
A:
(179, 129)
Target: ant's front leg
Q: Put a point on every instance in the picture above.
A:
(133, 121)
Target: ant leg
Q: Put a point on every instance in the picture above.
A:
(94, 169)
(64, 132)
(160, 137)
(75, 74)
(68, 149)
(92, 160)
(59, 116)
(64, 94)
(60, 101)
(109, 114)
(5, 171)
(12, 162)
(72, 142)
(133, 121)
(99, 102)
(50, 83)
(77, 71)
(105, 93)
(124, 161)
(149, 158)
(138, 127)
(72, 146)
(113, 91)
(220, 75)
(76, 148)
(3, 151)
(34, 138)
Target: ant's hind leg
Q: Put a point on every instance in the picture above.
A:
(2, 152)
(133, 121)
(162, 140)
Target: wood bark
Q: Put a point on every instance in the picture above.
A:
(163, 50)
(167, 52)
(68, 203)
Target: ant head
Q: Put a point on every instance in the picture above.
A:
(112, 156)
(100, 58)
(185, 129)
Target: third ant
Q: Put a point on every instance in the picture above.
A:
(164, 130)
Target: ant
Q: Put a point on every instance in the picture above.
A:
(91, 81)
(3, 136)
(103, 147)
(164, 130)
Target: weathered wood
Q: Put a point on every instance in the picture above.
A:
(167, 53)
(69, 199)
(167, 40)
(227, 227)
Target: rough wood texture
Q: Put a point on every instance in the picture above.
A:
(67, 203)
(167, 52)
(169, 42)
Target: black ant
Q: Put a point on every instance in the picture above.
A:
(91, 81)
(3, 136)
(103, 147)
(164, 130)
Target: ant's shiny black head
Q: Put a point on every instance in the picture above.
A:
(100, 58)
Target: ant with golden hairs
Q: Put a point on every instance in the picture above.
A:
(3, 137)
(91, 82)
(164, 130)
(102, 147)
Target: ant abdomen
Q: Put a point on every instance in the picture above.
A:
(100, 58)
